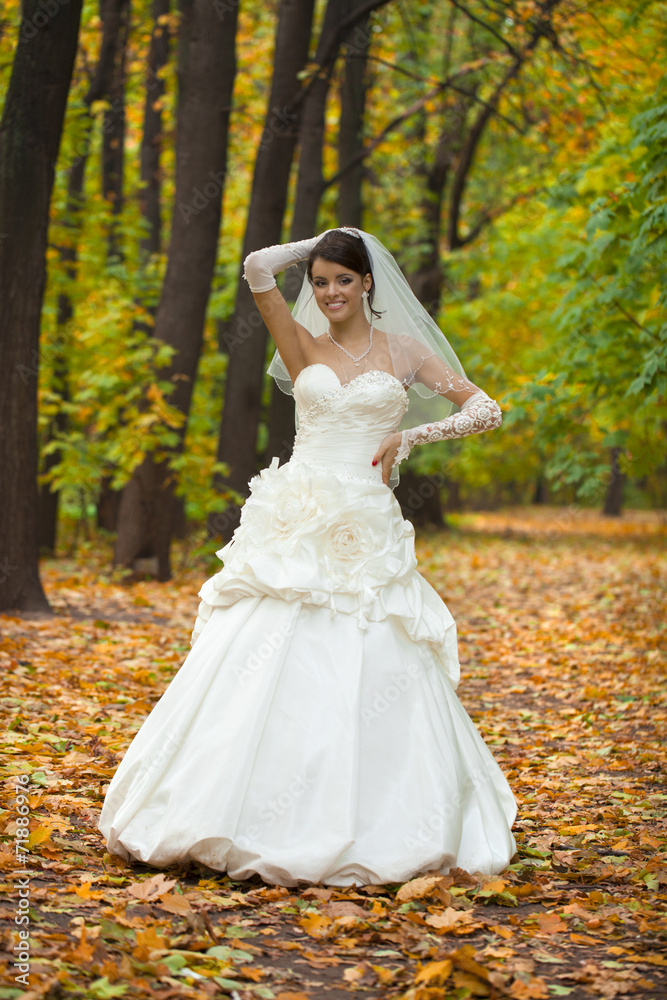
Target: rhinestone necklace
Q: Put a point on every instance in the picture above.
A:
(361, 357)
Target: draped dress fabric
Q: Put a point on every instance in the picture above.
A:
(313, 733)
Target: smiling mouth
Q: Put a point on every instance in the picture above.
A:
(334, 305)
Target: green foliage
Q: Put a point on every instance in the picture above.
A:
(556, 308)
(606, 380)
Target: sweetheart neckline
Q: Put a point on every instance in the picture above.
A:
(343, 385)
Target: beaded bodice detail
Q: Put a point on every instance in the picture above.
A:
(341, 425)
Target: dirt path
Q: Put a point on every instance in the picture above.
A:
(561, 624)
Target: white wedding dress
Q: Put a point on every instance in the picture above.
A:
(313, 733)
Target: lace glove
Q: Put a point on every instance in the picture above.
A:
(478, 413)
(260, 266)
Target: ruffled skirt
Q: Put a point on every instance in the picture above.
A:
(313, 733)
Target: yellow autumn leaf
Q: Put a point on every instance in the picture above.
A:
(85, 891)
(495, 885)
(449, 918)
(172, 902)
(427, 887)
(435, 973)
(472, 984)
(148, 941)
(152, 888)
(315, 924)
(40, 834)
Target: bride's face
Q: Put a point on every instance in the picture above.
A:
(338, 291)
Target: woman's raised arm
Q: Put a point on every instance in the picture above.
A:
(260, 268)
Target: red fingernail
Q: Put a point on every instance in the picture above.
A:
(374, 462)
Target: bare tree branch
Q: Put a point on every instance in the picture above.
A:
(447, 84)
(464, 10)
(399, 69)
(485, 104)
(542, 28)
(491, 214)
(332, 48)
(468, 155)
(415, 107)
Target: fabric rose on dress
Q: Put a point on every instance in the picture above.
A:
(294, 508)
(350, 540)
(286, 504)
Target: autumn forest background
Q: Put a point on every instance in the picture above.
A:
(511, 154)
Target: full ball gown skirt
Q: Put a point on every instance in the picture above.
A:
(313, 733)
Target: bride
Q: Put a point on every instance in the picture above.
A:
(313, 733)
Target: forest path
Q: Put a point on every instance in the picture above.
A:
(561, 620)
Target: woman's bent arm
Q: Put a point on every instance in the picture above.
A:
(261, 266)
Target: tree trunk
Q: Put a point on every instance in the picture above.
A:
(454, 501)
(112, 21)
(49, 501)
(108, 502)
(350, 129)
(207, 67)
(108, 505)
(30, 132)
(113, 131)
(541, 492)
(419, 497)
(246, 340)
(613, 501)
(151, 140)
(310, 181)
(427, 279)
(309, 189)
(281, 425)
(542, 28)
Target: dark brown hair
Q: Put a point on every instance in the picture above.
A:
(347, 250)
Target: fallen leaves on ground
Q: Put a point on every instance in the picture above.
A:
(560, 617)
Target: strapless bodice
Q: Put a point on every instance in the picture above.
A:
(341, 425)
